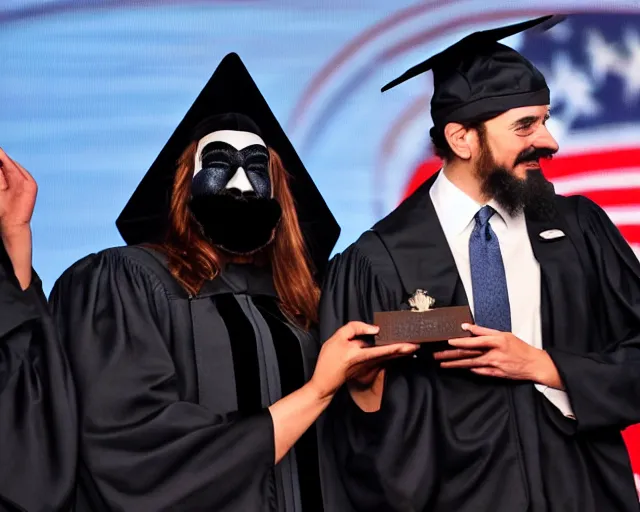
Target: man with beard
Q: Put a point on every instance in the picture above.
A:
(193, 348)
(524, 414)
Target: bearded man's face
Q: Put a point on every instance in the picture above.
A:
(511, 146)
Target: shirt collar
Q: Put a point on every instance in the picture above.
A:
(456, 209)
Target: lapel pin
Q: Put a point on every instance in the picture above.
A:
(552, 234)
(420, 301)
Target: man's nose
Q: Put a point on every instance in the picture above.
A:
(546, 140)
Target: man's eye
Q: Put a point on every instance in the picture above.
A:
(524, 129)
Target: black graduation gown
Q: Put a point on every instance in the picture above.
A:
(38, 423)
(173, 390)
(449, 440)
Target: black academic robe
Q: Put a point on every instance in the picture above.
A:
(173, 390)
(450, 440)
(38, 423)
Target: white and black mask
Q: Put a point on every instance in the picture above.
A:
(231, 192)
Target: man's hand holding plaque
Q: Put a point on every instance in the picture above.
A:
(423, 323)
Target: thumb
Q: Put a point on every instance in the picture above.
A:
(24, 172)
(372, 353)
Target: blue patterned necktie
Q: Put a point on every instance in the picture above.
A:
(488, 279)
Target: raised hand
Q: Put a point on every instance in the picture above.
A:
(18, 192)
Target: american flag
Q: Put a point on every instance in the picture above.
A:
(592, 65)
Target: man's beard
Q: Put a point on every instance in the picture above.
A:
(533, 194)
(238, 224)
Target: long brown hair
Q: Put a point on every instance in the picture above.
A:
(193, 260)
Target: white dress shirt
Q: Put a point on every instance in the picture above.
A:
(456, 211)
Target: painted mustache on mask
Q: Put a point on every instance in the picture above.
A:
(239, 223)
(533, 155)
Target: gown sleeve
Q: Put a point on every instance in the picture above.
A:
(366, 463)
(143, 447)
(604, 384)
(38, 423)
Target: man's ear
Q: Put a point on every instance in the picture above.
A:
(460, 139)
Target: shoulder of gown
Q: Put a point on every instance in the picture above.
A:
(366, 258)
(116, 315)
(359, 281)
(603, 384)
(600, 230)
(133, 263)
(106, 300)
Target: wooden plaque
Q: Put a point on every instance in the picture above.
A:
(438, 324)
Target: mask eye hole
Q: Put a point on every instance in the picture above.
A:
(216, 159)
(261, 168)
(256, 159)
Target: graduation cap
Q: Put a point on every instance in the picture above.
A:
(478, 78)
(231, 91)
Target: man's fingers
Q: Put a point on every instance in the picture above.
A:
(474, 362)
(481, 342)
(489, 372)
(478, 330)
(456, 354)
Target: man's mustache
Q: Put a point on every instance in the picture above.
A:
(533, 155)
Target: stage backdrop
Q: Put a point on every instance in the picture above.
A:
(90, 91)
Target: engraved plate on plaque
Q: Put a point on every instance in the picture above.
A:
(432, 325)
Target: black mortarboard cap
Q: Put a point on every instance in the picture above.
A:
(228, 121)
(478, 78)
(229, 100)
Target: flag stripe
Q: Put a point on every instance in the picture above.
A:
(604, 160)
(620, 178)
(615, 197)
